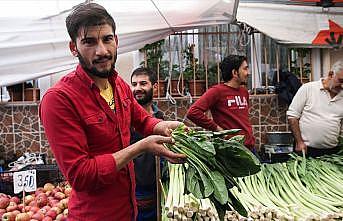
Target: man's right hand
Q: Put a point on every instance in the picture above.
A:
(154, 144)
(300, 147)
(219, 128)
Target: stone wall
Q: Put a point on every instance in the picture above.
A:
(21, 131)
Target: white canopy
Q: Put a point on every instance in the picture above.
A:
(34, 40)
(289, 24)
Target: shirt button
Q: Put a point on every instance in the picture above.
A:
(100, 120)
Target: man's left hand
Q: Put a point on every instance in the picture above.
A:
(165, 128)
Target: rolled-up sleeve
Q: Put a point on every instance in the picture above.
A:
(68, 143)
(298, 103)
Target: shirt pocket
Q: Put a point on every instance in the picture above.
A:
(97, 128)
(95, 119)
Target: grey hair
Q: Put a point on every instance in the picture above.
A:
(337, 67)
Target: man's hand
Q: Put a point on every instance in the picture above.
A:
(154, 144)
(219, 128)
(165, 128)
(300, 147)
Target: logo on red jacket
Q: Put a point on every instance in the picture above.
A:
(236, 102)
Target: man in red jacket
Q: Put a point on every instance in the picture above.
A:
(87, 118)
(228, 102)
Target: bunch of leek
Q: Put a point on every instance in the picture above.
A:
(213, 164)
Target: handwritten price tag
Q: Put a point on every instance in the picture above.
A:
(24, 180)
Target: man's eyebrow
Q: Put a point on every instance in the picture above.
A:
(109, 35)
(87, 38)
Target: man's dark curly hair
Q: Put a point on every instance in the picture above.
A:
(145, 71)
(231, 62)
(86, 15)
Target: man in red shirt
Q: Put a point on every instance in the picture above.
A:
(228, 102)
(87, 117)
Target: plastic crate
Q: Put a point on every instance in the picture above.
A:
(45, 174)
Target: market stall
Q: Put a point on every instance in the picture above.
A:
(298, 189)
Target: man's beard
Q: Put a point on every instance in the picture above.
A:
(94, 71)
(243, 81)
(332, 88)
(147, 98)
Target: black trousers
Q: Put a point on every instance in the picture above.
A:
(316, 152)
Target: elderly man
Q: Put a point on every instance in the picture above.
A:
(316, 113)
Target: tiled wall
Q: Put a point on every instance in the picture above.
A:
(21, 131)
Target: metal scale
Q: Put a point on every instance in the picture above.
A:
(279, 145)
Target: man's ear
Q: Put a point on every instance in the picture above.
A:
(116, 39)
(155, 85)
(73, 49)
(234, 73)
(154, 89)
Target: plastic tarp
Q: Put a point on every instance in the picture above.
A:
(34, 39)
(289, 24)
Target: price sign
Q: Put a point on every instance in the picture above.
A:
(24, 180)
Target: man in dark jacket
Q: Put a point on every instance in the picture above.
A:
(143, 82)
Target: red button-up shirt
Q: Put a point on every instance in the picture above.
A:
(83, 132)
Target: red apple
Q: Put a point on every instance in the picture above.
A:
(2, 212)
(27, 208)
(42, 211)
(15, 199)
(34, 209)
(11, 207)
(38, 216)
(39, 190)
(57, 189)
(4, 202)
(28, 199)
(16, 212)
(67, 191)
(59, 195)
(65, 212)
(41, 200)
(2, 195)
(65, 202)
(21, 207)
(48, 187)
(54, 202)
(57, 209)
(47, 218)
(61, 217)
(22, 217)
(47, 207)
(48, 193)
(33, 203)
(30, 213)
(52, 213)
(8, 217)
(60, 205)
